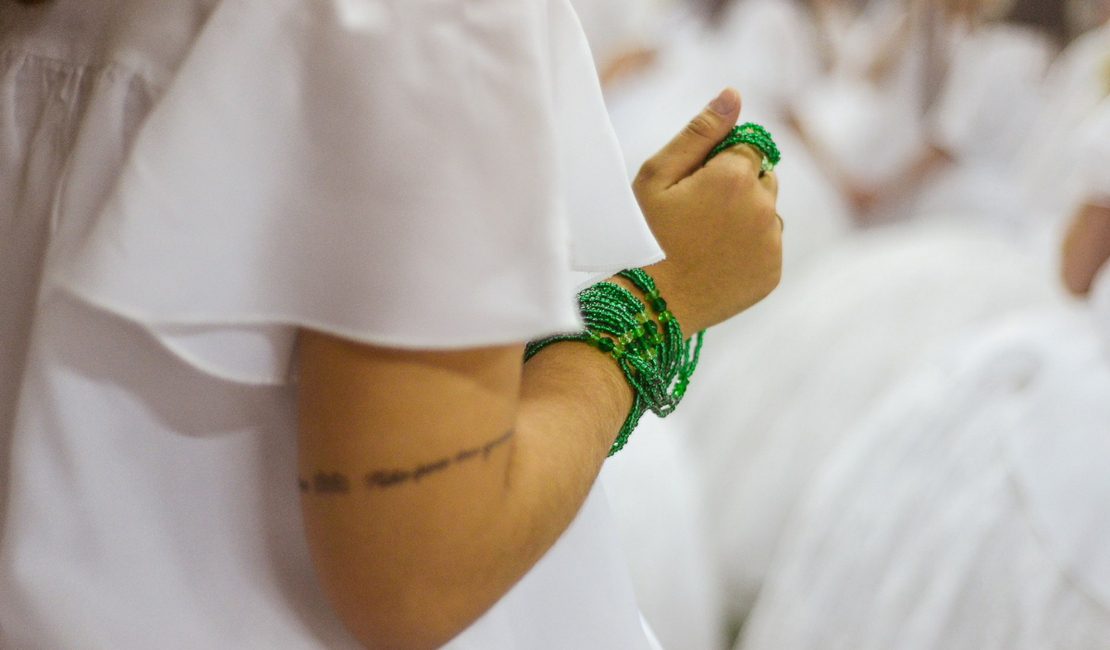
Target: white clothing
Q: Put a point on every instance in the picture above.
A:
(970, 509)
(990, 104)
(187, 182)
(769, 406)
(696, 65)
(614, 26)
(871, 129)
(655, 490)
(916, 534)
(1074, 86)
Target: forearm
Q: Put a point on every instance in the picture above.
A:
(429, 535)
(1085, 248)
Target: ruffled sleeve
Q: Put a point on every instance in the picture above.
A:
(412, 173)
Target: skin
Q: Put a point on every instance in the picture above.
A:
(1086, 248)
(433, 481)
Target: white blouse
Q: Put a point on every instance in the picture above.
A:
(185, 183)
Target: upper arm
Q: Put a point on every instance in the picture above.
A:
(403, 460)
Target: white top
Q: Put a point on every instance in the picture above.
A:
(187, 182)
(1059, 441)
(1076, 83)
(991, 102)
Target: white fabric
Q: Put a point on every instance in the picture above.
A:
(695, 66)
(871, 128)
(184, 183)
(281, 178)
(969, 509)
(1056, 449)
(1047, 166)
(613, 26)
(917, 535)
(991, 101)
(1091, 146)
(789, 379)
(656, 493)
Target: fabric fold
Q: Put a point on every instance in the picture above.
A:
(288, 179)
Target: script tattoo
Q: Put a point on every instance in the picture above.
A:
(331, 483)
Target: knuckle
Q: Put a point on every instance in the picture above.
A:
(648, 171)
(701, 127)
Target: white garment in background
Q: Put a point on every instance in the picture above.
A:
(970, 509)
(695, 65)
(777, 400)
(916, 535)
(654, 486)
(871, 129)
(186, 182)
(991, 101)
(1047, 166)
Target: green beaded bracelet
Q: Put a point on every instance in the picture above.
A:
(655, 359)
(754, 135)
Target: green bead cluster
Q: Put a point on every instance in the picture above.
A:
(652, 354)
(756, 136)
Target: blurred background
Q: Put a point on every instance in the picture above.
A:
(895, 449)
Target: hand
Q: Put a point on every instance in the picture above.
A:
(716, 222)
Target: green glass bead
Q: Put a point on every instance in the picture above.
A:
(649, 327)
(605, 344)
(626, 338)
(652, 295)
(658, 305)
(666, 317)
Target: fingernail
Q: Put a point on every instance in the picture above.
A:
(725, 103)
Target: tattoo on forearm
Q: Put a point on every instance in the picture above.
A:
(332, 483)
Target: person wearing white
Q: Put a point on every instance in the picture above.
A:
(766, 49)
(215, 208)
(991, 101)
(969, 509)
(765, 418)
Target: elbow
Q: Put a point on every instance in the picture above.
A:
(404, 600)
(408, 618)
(395, 627)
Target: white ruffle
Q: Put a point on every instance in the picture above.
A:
(289, 178)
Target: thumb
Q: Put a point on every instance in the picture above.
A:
(684, 154)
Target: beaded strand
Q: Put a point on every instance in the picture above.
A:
(654, 358)
(754, 135)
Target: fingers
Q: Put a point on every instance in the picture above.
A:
(740, 163)
(687, 151)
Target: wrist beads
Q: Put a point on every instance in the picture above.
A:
(655, 360)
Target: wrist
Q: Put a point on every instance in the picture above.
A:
(679, 305)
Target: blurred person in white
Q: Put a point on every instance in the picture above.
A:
(969, 509)
(268, 268)
(930, 123)
(992, 98)
(765, 416)
(1076, 83)
(768, 50)
(862, 119)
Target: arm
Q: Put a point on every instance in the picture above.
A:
(433, 481)
(1086, 248)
